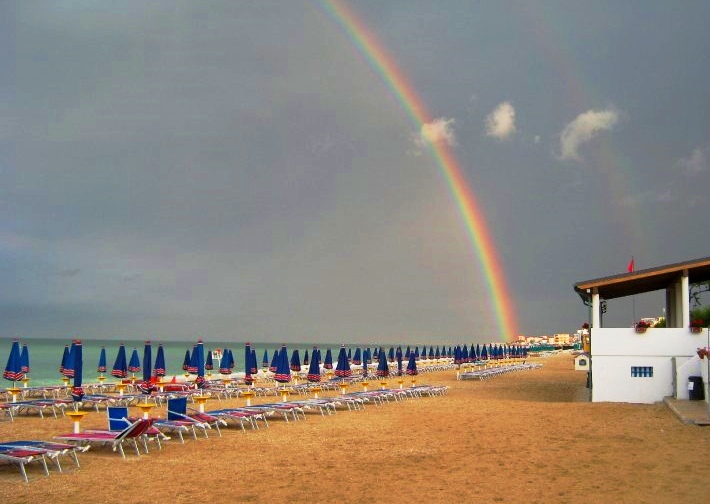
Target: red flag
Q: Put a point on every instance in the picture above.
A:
(630, 268)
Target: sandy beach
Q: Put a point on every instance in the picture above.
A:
(526, 436)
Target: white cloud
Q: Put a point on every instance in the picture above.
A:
(584, 128)
(438, 131)
(695, 164)
(500, 123)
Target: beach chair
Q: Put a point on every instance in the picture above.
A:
(178, 411)
(118, 420)
(110, 438)
(52, 450)
(22, 456)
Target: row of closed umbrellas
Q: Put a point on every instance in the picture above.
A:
(71, 365)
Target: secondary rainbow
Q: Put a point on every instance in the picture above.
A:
(383, 63)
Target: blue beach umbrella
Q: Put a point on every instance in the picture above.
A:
(328, 362)
(159, 369)
(390, 354)
(398, 356)
(383, 369)
(350, 354)
(209, 361)
(274, 362)
(265, 360)
(423, 354)
(224, 368)
(197, 364)
(248, 379)
(65, 357)
(342, 369)
(305, 358)
(484, 353)
(120, 366)
(313, 368)
(254, 362)
(13, 369)
(186, 361)
(295, 361)
(412, 366)
(357, 358)
(25, 359)
(147, 387)
(147, 361)
(283, 371)
(134, 365)
(77, 392)
(101, 368)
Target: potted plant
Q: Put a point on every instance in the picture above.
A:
(702, 352)
(697, 325)
(641, 326)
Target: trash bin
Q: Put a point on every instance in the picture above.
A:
(695, 388)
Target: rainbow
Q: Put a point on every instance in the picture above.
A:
(377, 57)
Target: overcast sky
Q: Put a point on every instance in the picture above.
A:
(236, 170)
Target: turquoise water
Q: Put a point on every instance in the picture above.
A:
(46, 355)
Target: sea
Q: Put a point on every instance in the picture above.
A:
(45, 355)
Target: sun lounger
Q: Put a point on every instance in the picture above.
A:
(241, 415)
(52, 449)
(110, 438)
(23, 456)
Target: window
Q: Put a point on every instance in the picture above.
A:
(641, 371)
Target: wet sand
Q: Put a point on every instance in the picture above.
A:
(525, 436)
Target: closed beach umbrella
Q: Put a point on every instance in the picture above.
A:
(13, 369)
(65, 357)
(209, 362)
(120, 366)
(224, 368)
(159, 369)
(328, 362)
(25, 359)
(197, 364)
(357, 358)
(398, 355)
(134, 365)
(147, 361)
(69, 364)
(146, 387)
(248, 379)
(342, 369)
(305, 357)
(484, 353)
(295, 361)
(314, 369)
(283, 371)
(423, 354)
(412, 366)
(101, 368)
(390, 354)
(77, 392)
(274, 362)
(265, 360)
(383, 369)
(186, 361)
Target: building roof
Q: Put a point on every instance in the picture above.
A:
(647, 280)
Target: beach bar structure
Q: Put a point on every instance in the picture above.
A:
(646, 367)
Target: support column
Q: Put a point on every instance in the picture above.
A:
(685, 298)
(596, 309)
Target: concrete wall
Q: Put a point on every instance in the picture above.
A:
(616, 350)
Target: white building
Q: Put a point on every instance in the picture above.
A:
(626, 366)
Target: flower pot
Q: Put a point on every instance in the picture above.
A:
(696, 329)
(641, 330)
